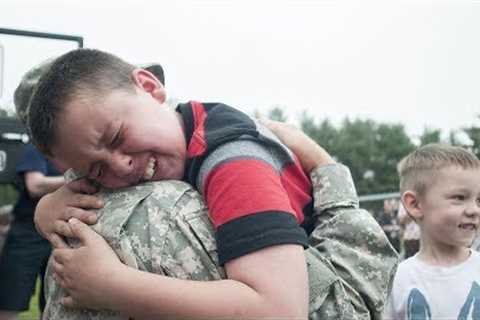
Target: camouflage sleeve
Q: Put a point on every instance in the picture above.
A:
(159, 227)
(353, 261)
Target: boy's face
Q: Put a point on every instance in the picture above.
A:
(449, 211)
(124, 138)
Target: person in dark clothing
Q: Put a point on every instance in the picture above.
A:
(389, 222)
(25, 253)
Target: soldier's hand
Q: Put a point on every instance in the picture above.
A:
(54, 210)
(86, 272)
(308, 151)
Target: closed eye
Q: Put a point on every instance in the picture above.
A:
(117, 138)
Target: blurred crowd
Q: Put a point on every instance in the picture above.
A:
(400, 228)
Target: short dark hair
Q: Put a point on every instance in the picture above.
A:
(78, 74)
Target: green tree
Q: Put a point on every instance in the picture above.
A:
(473, 133)
(371, 150)
(276, 113)
(356, 149)
(430, 136)
(324, 133)
(392, 144)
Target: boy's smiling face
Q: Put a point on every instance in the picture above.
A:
(123, 138)
(449, 211)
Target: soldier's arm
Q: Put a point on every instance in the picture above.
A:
(347, 240)
(353, 244)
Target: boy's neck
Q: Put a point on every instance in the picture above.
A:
(182, 123)
(436, 254)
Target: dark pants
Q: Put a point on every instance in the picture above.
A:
(24, 258)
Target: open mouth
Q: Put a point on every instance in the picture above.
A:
(150, 169)
(468, 226)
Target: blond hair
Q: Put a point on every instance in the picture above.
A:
(418, 168)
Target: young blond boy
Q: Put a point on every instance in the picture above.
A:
(440, 187)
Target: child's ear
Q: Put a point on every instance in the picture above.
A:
(146, 81)
(411, 202)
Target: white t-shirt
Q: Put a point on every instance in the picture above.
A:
(422, 291)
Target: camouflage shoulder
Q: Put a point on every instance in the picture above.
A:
(333, 187)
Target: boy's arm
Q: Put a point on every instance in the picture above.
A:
(270, 282)
(144, 295)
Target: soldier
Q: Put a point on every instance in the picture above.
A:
(163, 227)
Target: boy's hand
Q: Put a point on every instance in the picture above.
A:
(71, 200)
(308, 151)
(93, 262)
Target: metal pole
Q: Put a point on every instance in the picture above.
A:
(379, 196)
(16, 32)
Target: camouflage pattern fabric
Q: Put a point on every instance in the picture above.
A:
(160, 227)
(25, 89)
(355, 262)
(163, 227)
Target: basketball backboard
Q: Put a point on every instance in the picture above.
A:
(20, 50)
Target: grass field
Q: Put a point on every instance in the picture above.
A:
(33, 312)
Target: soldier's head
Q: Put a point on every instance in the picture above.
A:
(24, 91)
(440, 186)
(107, 119)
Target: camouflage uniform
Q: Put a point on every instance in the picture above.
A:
(163, 227)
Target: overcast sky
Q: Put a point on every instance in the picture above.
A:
(413, 62)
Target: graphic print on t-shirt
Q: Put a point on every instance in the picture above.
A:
(417, 306)
(419, 309)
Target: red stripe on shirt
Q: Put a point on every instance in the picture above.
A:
(198, 145)
(298, 187)
(242, 187)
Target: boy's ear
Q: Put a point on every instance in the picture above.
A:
(411, 202)
(146, 81)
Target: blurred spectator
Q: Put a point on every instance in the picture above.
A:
(411, 232)
(476, 243)
(389, 222)
(5, 219)
(25, 253)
